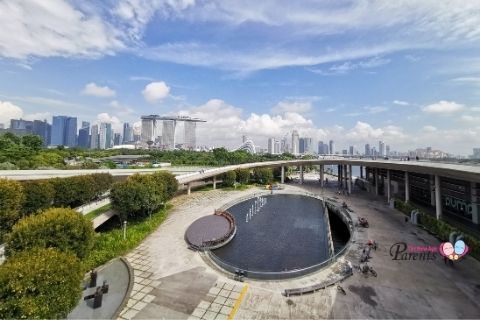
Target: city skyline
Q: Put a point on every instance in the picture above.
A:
(253, 69)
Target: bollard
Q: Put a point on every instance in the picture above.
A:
(97, 299)
(93, 279)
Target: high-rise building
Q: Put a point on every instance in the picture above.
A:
(322, 148)
(387, 150)
(271, 146)
(168, 134)
(127, 133)
(276, 147)
(295, 142)
(105, 136)
(2, 126)
(476, 153)
(190, 142)
(64, 131)
(20, 125)
(332, 147)
(84, 135)
(42, 129)
(284, 147)
(148, 129)
(381, 148)
(368, 152)
(344, 152)
(301, 145)
(305, 146)
(94, 138)
(117, 139)
(350, 150)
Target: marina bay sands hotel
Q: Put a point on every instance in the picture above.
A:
(163, 137)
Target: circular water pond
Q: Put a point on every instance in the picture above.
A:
(276, 234)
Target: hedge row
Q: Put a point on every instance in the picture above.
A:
(20, 199)
(440, 228)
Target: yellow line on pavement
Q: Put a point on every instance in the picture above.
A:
(238, 302)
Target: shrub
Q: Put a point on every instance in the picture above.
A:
(39, 195)
(243, 176)
(263, 175)
(41, 283)
(139, 195)
(229, 178)
(102, 183)
(74, 191)
(169, 182)
(11, 199)
(60, 228)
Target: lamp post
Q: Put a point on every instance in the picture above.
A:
(125, 230)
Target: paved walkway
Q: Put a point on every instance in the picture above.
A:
(172, 282)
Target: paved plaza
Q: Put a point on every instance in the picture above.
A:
(173, 282)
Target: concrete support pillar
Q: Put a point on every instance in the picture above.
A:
(475, 198)
(339, 173)
(407, 187)
(214, 182)
(345, 176)
(432, 190)
(438, 197)
(322, 183)
(350, 179)
(283, 175)
(301, 174)
(389, 190)
(376, 182)
(361, 172)
(189, 188)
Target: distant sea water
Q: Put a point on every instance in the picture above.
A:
(355, 170)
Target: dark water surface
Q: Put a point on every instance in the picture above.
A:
(288, 232)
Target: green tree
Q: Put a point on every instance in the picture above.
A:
(39, 195)
(263, 175)
(138, 196)
(243, 176)
(33, 142)
(169, 182)
(11, 199)
(41, 283)
(60, 228)
(102, 183)
(229, 178)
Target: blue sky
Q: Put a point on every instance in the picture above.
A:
(406, 72)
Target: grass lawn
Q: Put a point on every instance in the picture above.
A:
(110, 244)
(95, 213)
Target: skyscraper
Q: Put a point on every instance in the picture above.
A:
(295, 142)
(117, 139)
(381, 148)
(148, 129)
(271, 145)
(105, 136)
(127, 133)
(168, 134)
(20, 125)
(301, 145)
(84, 135)
(284, 148)
(332, 147)
(368, 152)
(94, 143)
(276, 147)
(387, 150)
(350, 150)
(42, 129)
(307, 146)
(64, 131)
(190, 142)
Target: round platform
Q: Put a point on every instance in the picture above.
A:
(209, 232)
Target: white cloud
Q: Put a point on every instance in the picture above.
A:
(116, 123)
(377, 109)
(120, 109)
(9, 111)
(429, 128)
(92, 89)
(35, 28)
(156, 91)
(443, 107)
(292, 106)
(39, 116)
(401, 103)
